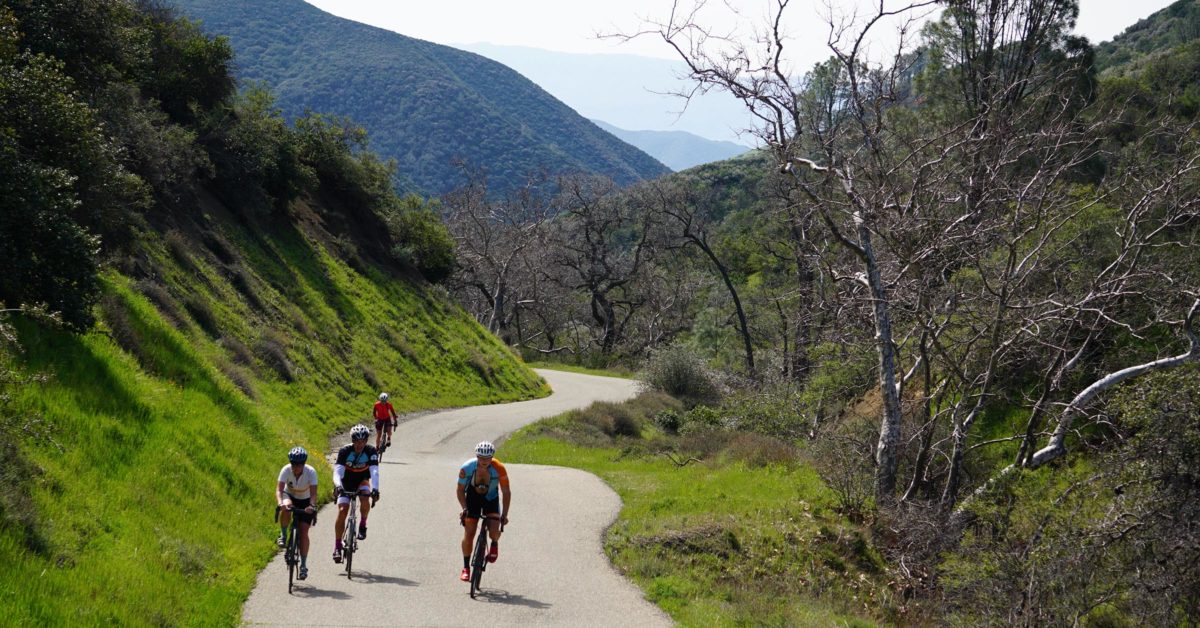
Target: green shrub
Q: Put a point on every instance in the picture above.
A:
(200, 311)
(757, 450)
(162, 300)
(236, 348)
(238, 376)
(668, 421)
(272, 349)
(422, 239)
(679, 372)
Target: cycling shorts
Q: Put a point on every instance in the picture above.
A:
(480, 505)
(298, 506)
(363, 486)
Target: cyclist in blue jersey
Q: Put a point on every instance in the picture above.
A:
(481, 482)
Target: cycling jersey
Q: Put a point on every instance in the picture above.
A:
(384, 410)
(353, 468)
(298, 487)
(496, 478)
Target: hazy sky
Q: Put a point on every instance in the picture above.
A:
(571, 25)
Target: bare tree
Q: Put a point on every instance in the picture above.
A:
(493, 237)
(688, 219)
(944, 175)
(603, 243)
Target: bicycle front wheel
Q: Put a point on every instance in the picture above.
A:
(348, 545)
(479, 559)
(291, 555)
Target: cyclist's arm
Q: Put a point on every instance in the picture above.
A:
(505, 490)
(339, 471)
(374, 477)
(279, 494)
(460, 489)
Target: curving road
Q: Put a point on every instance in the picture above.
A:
(552, 570)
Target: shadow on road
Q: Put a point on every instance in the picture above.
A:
(370, 578)
(500, 596)
(305, 591)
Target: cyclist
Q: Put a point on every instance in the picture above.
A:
(480, 481)
(356, 472)
(296, 491)
(385, 420)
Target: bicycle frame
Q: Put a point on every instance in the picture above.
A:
(479, 556)
(350, 534)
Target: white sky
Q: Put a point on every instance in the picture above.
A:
(572, 25)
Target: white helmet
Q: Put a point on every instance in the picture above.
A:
(383, 396)
(485, 449)
(359, 432)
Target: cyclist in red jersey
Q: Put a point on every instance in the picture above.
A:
(385, 420)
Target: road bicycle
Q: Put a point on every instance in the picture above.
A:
(350, 535)
(291, 544)
(479, 556)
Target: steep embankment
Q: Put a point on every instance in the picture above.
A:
(425, 105)
(140, 488)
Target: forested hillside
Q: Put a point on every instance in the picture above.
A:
(1157, 34)
(426, 106)
(189, 286)
(960, 284)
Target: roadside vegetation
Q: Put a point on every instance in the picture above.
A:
(718, 527)
(192, 286)
(613, 371)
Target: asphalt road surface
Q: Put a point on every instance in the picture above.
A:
(552, 570)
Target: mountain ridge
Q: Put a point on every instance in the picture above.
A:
(679, 150)
(428, 106)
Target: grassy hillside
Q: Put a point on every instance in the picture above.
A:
(140, 489)
(191, 286)
(425, 105)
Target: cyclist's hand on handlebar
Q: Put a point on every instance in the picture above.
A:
(337, 492)
(462, 518)
(504, 520)
(374, 495)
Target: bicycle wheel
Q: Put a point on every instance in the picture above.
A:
(348, 543)
(479, 558)
(292, 553)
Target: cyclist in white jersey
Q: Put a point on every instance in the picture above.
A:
(296, 492)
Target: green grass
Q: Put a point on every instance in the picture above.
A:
(571, 368)
(719, 542)
(145, 485)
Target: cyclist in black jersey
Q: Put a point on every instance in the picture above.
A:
(356, 472)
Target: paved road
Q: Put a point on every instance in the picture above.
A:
(552, 570)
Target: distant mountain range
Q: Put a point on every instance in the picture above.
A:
(425, 105)
(629, 91)
(679, 150)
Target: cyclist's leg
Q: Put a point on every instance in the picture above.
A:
(302, 525)
(378, 433)
(339, 526)
(471, 525)
(364, 500)
(364, 506)
(285, 519)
